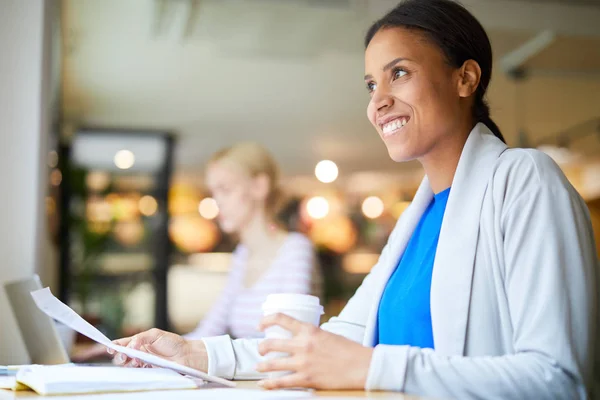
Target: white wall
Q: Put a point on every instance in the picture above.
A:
(24, 112)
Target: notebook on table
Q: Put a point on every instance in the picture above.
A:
(73, 379)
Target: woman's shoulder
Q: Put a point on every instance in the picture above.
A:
(298, 240)
(297, 251)
(519, 171)
(528, 167)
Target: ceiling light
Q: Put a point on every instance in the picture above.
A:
(326, 171)
(124, 159)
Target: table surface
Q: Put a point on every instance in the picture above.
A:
(8, 395)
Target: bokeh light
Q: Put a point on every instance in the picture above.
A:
(208, 208)
(326, 171)
(317, 207)
(124, 159)
(372, 207)
(148, 205)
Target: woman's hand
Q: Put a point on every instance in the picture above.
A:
(191, 353)
(318, 359)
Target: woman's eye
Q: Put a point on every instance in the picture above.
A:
(371, 86)
(399, 73)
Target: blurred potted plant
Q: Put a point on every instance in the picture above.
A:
(89, 238)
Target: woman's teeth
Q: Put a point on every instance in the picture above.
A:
(392, 126)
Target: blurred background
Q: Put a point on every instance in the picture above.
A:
(142, 92)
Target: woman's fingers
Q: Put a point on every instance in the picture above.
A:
(288, 381)
(278, 364)
(123, 341)
(142, 341)
(282, 320)
(277, 345)
(120, 359)
(134, 363)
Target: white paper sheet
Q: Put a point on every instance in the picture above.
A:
(56, 309)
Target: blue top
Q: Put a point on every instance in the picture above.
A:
(404, 311)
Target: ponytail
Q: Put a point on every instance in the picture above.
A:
(482, 114)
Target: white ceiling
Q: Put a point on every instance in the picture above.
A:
(595, 3)
(287, 74)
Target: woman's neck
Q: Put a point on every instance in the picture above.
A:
(260, 235)
(440, 164)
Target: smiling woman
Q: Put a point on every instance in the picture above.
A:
(427, 78)
(487, 285)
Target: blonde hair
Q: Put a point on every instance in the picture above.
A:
(255, 160)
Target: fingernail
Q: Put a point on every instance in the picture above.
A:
(120, 358)
(134, 363)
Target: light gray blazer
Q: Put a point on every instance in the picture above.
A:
(513, 292)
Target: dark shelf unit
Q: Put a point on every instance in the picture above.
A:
(158, 245)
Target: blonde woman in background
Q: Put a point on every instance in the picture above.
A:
(243, 180)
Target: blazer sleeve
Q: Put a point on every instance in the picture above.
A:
(236, 359)
(550, 283)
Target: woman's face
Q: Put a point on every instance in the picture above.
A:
(415, 102)
(236, 195)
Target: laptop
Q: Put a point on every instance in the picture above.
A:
(38, 330)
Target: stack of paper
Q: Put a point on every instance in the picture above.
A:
(69, 379)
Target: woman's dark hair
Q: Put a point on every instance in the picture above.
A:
(456, 32)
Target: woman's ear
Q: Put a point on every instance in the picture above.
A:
(261, 187)
(469, 77)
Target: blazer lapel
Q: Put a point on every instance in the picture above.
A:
(406, 225)
(455, 256)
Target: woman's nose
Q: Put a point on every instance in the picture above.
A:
(382, 99)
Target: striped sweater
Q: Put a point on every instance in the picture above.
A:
(237, 311)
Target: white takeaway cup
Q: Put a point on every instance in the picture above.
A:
(303, 307)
